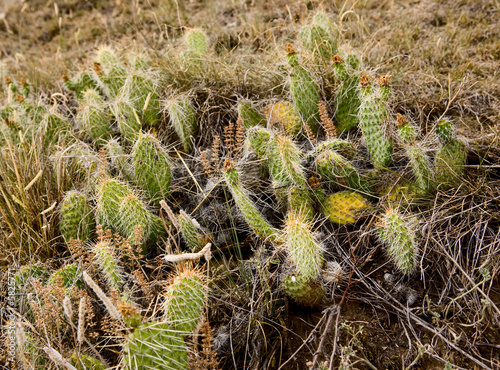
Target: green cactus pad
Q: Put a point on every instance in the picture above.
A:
(151, 166)
(421, 166)
(82, 82)
(110, 193)
(252, 216)
(119, 159)
(343, 147)
(93, 117)
(305, 96)
(77, 219)
(127, 119)
(400, 238)
(317, 40)
(135, 222)
(250, 115)
(88, 362)
(106, 258)
(184, 301)
(335, 168)
(196, 41)
(304, 291)
(449, 163)
(259, 139)
(155, 345)
(183, 119)
(190, 231)
(345, 207)
(372, 114)
(302, 247)
(68, 276)
(284, 117)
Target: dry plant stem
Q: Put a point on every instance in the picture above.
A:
(332, 310)
(190, 256)
(470, 280)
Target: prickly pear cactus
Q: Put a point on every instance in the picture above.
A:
(348, 96)
(283, 116)
(345, 207)
(184, 301)
(77, 219)
(110, 193)
(252, 216)
(304, 93)
(136, 222)
(155, 345)
(400, 238)
(373, 112)
(450, 158)
(106, 258)
(303, 248)
(183, 119)
(93, 117)
(250, 115)
(304, 291)
(151, 167)
(335, 168)
(68, 276)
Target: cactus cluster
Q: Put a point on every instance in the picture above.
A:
(319, 171)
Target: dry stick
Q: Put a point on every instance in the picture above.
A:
(332, 310)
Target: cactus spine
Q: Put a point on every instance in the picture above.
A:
(151, 166)
(127, 118)
(400, 237)
(183, 119)
(77, 219)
